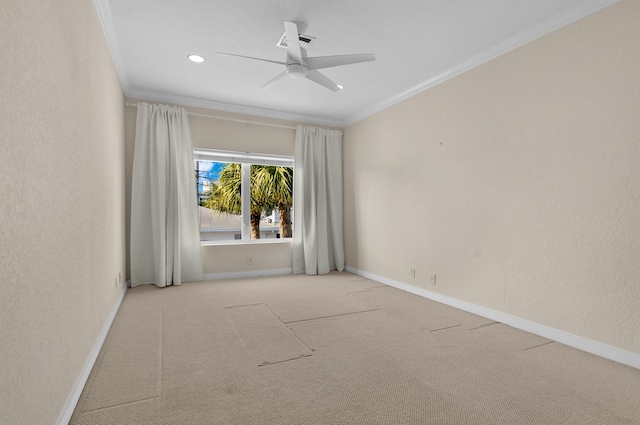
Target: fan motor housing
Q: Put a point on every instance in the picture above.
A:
(296, 70)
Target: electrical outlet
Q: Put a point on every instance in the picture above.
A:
(433, 279)
(119, 277)
(116, 285)
(250, 261)
(413, 273)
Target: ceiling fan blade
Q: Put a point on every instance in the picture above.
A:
(273, 80)
(294, 52)
(321, 79)
(251, 57)
(320, 62)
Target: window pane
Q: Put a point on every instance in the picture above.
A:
(272, 201)
(219, 210)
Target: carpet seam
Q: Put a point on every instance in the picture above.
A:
(360, 292)
(113, 406)
(329, 317)
(291, 331)
(445, 328)
(486, 325)
(242, 305)
(301, 356)
(538, 346)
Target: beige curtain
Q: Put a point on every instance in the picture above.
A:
(165, 238)
(318, 241)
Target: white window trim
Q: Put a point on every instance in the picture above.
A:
(245, 191)
(242, 157)
(249, 242)
(246, 159)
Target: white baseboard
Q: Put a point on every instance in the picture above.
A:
(248, 273)
(599, 349)
(72, 401)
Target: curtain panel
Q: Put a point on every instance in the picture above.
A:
(318, 241)
(165, 238)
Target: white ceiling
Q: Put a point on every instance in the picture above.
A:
(417, 43)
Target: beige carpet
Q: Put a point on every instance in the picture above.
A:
(337, 349)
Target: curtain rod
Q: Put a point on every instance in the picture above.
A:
(288, 127)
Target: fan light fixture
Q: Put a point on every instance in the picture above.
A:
(297, 71)
(196, 58)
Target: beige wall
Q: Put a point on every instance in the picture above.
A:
(211, 133)
(516, 183)
(61, 201)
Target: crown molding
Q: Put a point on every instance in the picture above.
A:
(230, 107)
(104, 16)
(548, 26)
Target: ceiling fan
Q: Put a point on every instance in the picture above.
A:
(299, 66)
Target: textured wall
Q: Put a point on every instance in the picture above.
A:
(516, 183)
(211, 133)
(61, 201)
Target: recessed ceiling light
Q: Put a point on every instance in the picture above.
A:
(196, 58)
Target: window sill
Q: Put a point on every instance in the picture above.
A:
(251, 242)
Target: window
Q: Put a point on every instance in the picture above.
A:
(243, 196)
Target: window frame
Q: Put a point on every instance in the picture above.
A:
(246, 159)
